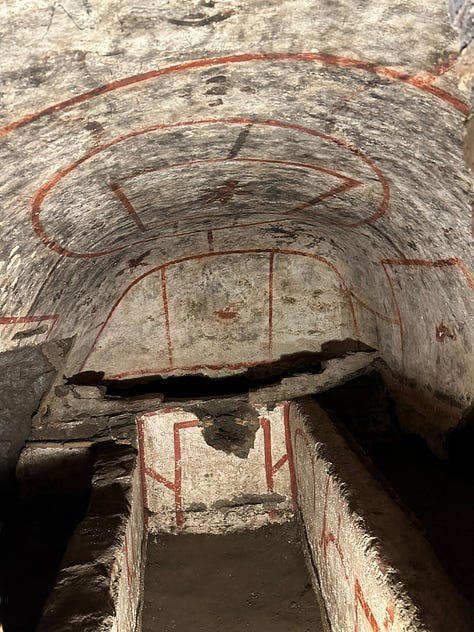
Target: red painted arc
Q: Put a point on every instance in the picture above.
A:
(385, 263)
(46, 188)
(162, 268)
(286, 163)
(419, 82)
(423, 263)
(347, 184)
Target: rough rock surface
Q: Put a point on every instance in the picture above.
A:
(335, 372)
(25, 375)
(196, 187)
(98, 585)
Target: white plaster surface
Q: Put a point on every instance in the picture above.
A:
(194, 487)
(376, 572)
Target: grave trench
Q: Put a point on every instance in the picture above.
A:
(207, 488)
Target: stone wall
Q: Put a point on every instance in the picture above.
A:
(302, 179)
(215, 467)
(25, 376)
(375, 571)
(98, 587)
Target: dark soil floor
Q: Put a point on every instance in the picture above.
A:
(253, 580)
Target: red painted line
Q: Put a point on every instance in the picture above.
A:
(203, 256)
(321, 58)
(384, 317)
(270, 468)
(164, 295)
(13, 320)
(270, 304)
(141, 457)
(19, 320)
(280, 463)
(179, 469)
(467, 273)
(267, 446)
(360, 599)
(328, 537)
(348, 183)
(128, 206)
(438, 263)
(176, 486)
(389, 617)
(320, 198)
(427, 86)
(45, 189)
(289, 452)
(428, 77)
(285, 163)
(160, 479)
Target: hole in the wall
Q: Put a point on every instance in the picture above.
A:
(228, 425)
(201, 386)
(440, 494)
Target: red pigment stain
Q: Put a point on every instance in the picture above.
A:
(226, 314)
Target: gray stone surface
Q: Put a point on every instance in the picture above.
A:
(25, 375)
(85, 594)
(196, 187)
(335, 372)
(462, 18)
(74, 402)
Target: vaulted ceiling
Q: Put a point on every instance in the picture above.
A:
(203, 186)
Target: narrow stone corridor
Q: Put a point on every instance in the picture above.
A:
(216, 217)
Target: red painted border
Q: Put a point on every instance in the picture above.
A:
(46, 188)
(438, 263)
(17, 320)
(161, 268)
(176, 485)
(417, 81)
(328, 537)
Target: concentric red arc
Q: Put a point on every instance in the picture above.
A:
(46, 188)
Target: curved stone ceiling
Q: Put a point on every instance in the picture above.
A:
(205, 186)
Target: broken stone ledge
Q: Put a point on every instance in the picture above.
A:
(336, 372)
